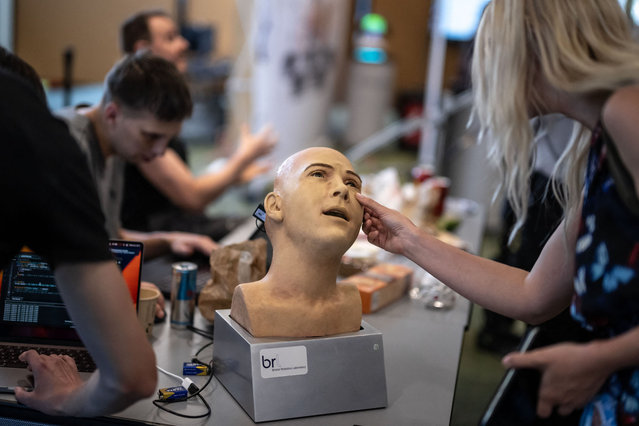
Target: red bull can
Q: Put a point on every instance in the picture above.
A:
(183, 294)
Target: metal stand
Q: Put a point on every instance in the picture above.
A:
(277, 378)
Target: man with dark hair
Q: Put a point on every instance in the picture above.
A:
(135, 83)
(54, 209)
(156, 31)
(143, 106)
(163, 193)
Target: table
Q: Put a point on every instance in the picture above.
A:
(422, 349)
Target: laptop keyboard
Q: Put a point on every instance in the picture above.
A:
(9, 356)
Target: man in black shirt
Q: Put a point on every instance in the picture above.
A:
(51, 205)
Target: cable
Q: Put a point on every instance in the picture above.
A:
(202, 348)
(200, 332)
(196, 393)
(195, 358)
(168, 373)
(193, 390)
(186, 382)
(199, 391)
(210, 364)
(157, 403)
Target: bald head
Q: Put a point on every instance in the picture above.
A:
(294, 165)
(313, 201)
(312, 218)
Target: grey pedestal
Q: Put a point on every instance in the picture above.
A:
(274, 379)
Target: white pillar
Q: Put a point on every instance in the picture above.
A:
(7, 8)
(433, 86)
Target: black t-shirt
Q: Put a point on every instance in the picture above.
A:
(49, 201)
(142, 202)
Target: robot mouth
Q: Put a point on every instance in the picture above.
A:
(337, 213)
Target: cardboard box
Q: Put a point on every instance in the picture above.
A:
(381, 285)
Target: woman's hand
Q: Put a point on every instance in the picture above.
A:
(571, 375)
(386, 228)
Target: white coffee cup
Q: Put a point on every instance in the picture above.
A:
(146, 308)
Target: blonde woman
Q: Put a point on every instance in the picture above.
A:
(577, 58)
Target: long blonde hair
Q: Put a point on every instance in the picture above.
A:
(576, 46)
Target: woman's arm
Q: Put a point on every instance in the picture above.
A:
(532, 297)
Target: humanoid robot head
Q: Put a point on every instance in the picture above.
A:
(313, 200)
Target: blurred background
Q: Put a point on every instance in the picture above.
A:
(384, 81)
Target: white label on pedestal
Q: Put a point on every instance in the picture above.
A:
(282, 362)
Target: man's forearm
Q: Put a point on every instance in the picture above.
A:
(100, 305)
(98, 397)
(155, 243)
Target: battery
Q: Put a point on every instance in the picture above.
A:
(183, 294)
(176, 393)
(195, 369)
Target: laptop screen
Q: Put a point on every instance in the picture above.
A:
(31, 306)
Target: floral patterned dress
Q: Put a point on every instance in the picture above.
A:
(606, 299)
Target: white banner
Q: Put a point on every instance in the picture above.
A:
(297, 46)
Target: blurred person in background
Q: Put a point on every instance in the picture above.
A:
(163, 193)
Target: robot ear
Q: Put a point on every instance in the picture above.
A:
(273, 207)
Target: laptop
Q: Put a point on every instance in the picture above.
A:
(33, 315)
